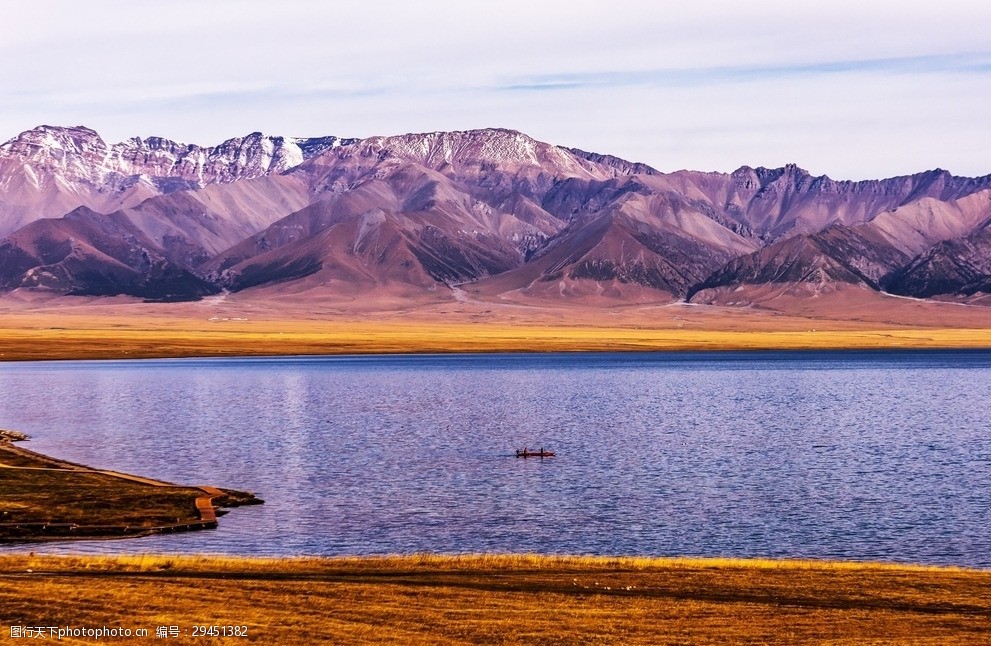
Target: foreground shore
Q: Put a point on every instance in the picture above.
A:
(503, 599)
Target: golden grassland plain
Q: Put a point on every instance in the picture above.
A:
(386, 339)
(504, 599)
(74, 336)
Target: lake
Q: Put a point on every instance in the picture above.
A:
(838, 455)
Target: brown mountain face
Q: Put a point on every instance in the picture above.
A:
(876, 255)
(366, 213)
(624, 246)
(838, 254)
(956, 267)
(89, 253)
(492, 213)
(777, 203)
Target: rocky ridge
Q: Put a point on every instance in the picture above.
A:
(492, 211)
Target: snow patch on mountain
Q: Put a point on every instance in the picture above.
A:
(79, 155)
(485, 148)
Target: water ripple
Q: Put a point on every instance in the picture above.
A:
(825, 455)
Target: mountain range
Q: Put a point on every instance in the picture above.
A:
(490, 214)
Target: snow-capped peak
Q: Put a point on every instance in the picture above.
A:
(507, 149)
(79, 154)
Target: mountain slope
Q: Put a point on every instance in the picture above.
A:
(476, 204)
(194, 226)
(960, 266)
(781, 202)
(915, 227)
(810, 263)
(448, 236)
(875, 254)
(86, 253)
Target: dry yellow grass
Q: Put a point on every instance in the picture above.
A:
(109, 328)
(506, 599)
(274, 338)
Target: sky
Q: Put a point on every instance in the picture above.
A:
(854, 90)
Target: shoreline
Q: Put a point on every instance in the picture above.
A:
(50, 499)
(414, 353)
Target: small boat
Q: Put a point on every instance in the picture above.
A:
(527, 453)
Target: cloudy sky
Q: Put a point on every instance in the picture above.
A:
(850, 89)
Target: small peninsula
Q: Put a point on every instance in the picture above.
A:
(49, 499)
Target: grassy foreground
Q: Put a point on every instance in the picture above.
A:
(504, 599)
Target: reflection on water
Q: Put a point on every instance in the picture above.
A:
(827, 455)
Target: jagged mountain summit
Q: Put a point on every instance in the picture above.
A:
(493, 213)
(48, 171)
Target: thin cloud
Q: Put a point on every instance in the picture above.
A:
(978, 63)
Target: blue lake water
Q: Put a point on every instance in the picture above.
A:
(828, 455)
